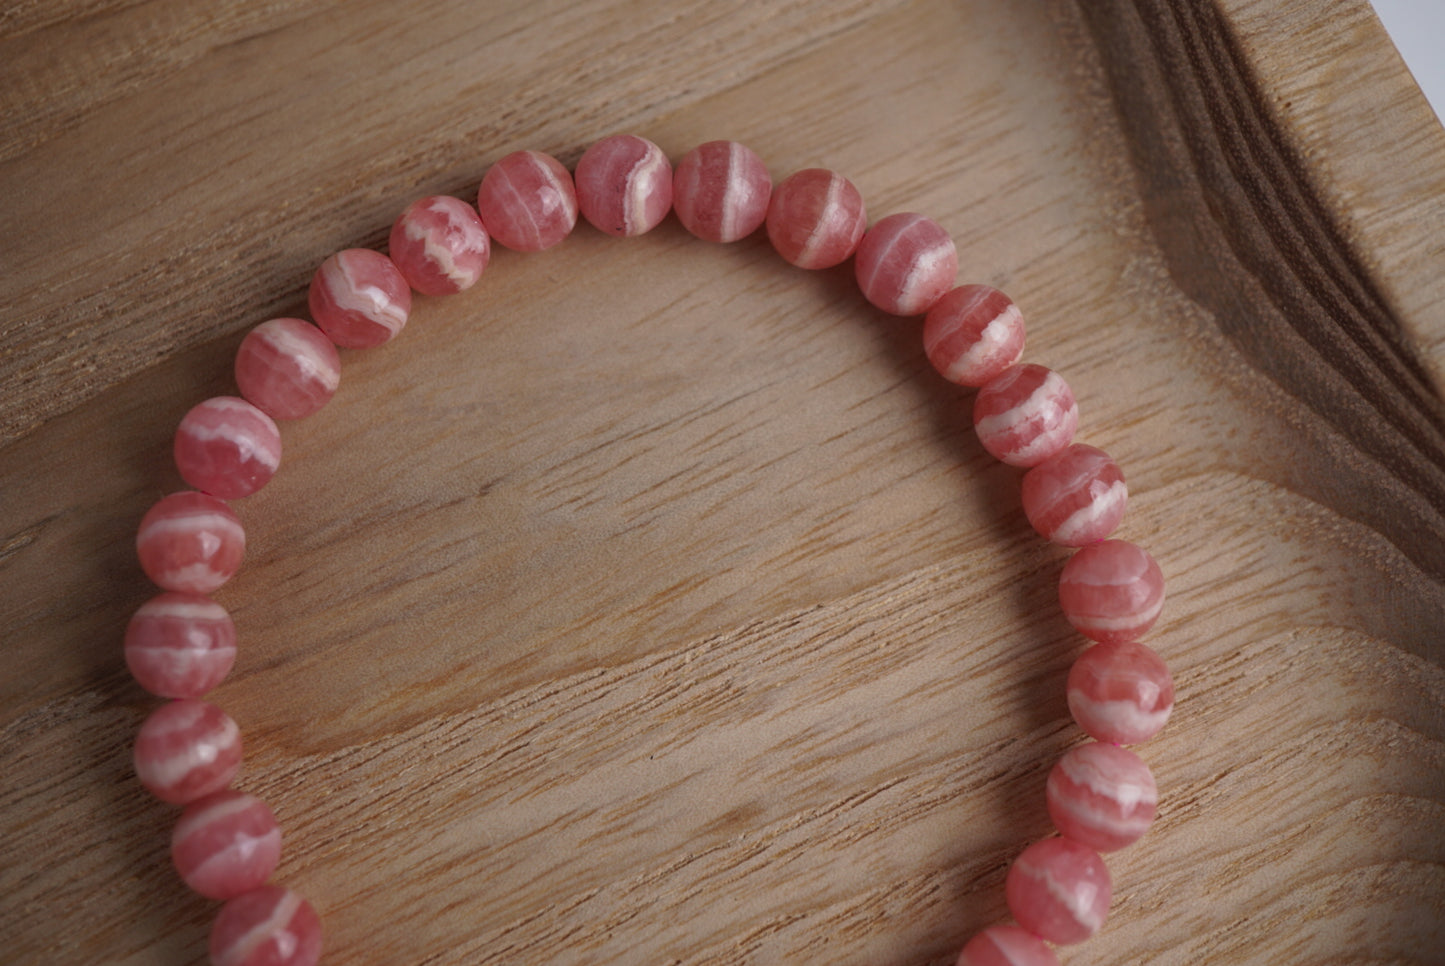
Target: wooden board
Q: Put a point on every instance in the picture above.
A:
(654, 601)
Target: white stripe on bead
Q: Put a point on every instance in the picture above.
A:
(1082, 519)
(351, 295)
(820, 232)
(990, 341)
(1121, 715)
(245, 944)
(1080, 907)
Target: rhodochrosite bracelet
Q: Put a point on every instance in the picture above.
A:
(181, 644)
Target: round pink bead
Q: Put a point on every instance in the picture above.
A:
(1075, 497)
(1121, 693)
(226, 844)
(287, 368)
(359, 299)
(528, 202)
(1006, 946)
(1059, 890)
(624, 185)
(1025, 414)
(268, 926)
(186, 750)
(440, 245)
(720, 191)
(180, 645)
(1102, 796)
(973, 333)
(227, 447)
(1112, 591)
(905, 263)
(816, 218)
(190, 542)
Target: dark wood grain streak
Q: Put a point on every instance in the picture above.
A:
(1245, 234)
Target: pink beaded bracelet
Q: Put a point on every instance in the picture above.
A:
(181, 644)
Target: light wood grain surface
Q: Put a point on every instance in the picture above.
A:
(654, 602)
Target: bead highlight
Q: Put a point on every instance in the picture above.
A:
(190, 542)
(1025, 414)
(268, 926)
(1112, 592)
(227, 447)
(972, 334)
(180, 645)
(1075, 497)
(720, 191)
(905, 264)
(287, 368)
(1120, 693)
(439, 245)
(186, 750)
(359, 299)
(226, 844)
(1102, 796)
(816, 219)
(528, 202)
(624, 185)
(1059, 890)
(1006, 946)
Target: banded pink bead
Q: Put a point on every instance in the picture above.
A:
(527, 201)
(905, 263)
(1059, 890)
(226, 844)
(439, 245)
(972, 334)
(1101, 796)
(1075, 497)
(186, 750)
(268, 926)
(190, 543)
(287, 368)
(180, 645)
(720, 191)
(359, 299)
(227, 447)
(1112, 591)
(1006, 946)
(816, 219)
(624, 185)
(1025, 414)
(1120, 693)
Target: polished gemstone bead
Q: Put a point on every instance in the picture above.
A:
(528, 202)
(816, 218)
(1102, 796)
(905, 264)
(190, 542)
(187, 750)
(227, 447)
(359, 299)
(1059, 890)
(1006, 946)
(287, 368)
(268, 926)
(1112, 591)
(1025, 414)
(973, 333)
(180, 645)
(439, 245)
(1121, 693)
(720, 191)
(1075, 497)
(624, 185)
(226, 844)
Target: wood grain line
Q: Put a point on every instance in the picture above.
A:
(1245, 234)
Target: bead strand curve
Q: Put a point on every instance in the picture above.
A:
(181, 644)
